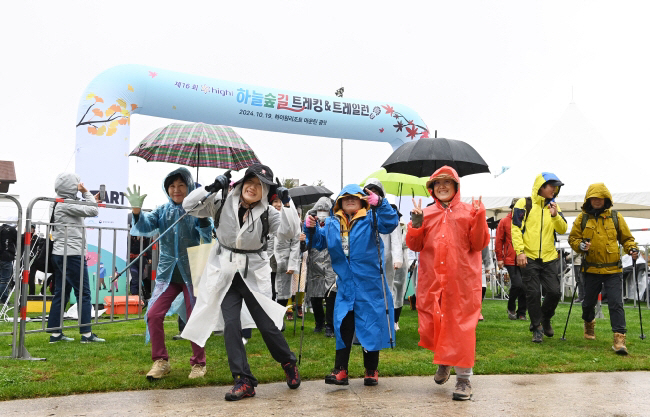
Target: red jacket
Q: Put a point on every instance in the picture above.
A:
(503, 242)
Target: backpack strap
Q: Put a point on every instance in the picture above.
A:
(585, 218)
(218, 215)
(529, 206)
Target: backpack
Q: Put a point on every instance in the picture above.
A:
(41, 246)
(614, 218)
(8, 236)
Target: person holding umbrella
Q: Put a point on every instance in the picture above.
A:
(350, 234)
(450, 236)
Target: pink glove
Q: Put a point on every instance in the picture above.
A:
(310, 222)
(372, 199)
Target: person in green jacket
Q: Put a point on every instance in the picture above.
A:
(596, 233)
(535, 221)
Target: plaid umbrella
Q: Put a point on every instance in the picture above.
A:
(197, 145)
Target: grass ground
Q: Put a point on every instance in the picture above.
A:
(503, 347)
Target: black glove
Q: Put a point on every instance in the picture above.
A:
(222, 182)
(282, 192)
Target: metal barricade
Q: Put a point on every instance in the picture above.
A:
(15, 352)
(22, 351)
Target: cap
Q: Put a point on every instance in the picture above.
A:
(262, 172)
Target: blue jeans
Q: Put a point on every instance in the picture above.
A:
(6, 271)
(135, 281)
(72, 282)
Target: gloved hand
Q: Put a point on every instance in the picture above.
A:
(310, 222)
(282, 192)
(372, 199)
(135, 199)
(220, 183)
(634, 253)
(584, 246)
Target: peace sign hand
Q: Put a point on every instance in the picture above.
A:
(417, 215)
(476, 203)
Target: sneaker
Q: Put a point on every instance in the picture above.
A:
(293, 376)
(521, 317)
(177, 337)
(61, 338)
(371, 378)
(480, 317)
(92, 339)
(337, 377)
(548, 329)
(244, 341)
(463, 390)
(442, 374)
(538, 334)
(512, 315)
(159, 369)
(396, 326)
(198, 371)
(242, 389)
(318, 328)
(329, 332)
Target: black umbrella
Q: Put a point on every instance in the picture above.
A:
(423, 157)
(308, 194)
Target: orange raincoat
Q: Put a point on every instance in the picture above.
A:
(450, 242)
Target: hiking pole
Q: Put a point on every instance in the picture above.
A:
(383, 277)
(636, 280)
(575, 289)
(302, 325)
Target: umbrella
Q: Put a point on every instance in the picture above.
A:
(400, 184)
(197, 145)
(423, 157)
(308, 194)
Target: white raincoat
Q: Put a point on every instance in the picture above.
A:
(287, 257)
(401, 274)
(223, 264)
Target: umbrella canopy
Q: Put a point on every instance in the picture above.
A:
(308, 194)
(400, 184)
(197, 145)
(423, 157)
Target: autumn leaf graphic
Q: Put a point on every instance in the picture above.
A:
(389, 109)
(412, 132)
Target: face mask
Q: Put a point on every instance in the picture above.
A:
(322, 215)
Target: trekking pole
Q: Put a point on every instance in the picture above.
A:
(575, 289)
(636, 280)
(384, 281)
(302, 325)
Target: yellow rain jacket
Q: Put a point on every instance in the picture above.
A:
(534, 234)
(603, 256)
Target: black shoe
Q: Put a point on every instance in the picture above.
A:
(293, 376)
(538, 334)
(318, 328)
(329, 332)
(242, 389)
(371, 378)
(548, 329)
(177, 337)
(337, 377)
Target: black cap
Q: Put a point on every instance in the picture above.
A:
(554, 183)
(262, 172)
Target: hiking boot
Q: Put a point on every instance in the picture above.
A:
(92, 339)
(318, 328)
(590, 334)
(290, 315)
(177, 337)
(442, 374)
(521, 317)
(198, 371)
(160, 368)
(299, 312)
(538, 334)
(463, 390)
(619, 344)
(293, 376)
(61, 338)
(329, 332)
(242, 389)
(371, 378)
(548, 329)
(337, 377)
(512, 315)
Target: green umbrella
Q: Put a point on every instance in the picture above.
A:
(400, 184)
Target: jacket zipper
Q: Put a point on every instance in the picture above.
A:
(541, 228)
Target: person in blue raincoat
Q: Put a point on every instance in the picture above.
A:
(349, 234)
(173, 273)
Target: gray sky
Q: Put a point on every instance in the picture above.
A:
(496, 74)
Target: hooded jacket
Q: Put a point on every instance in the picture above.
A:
(450, 242)
(320, 274)
(603, 256)
(65, 186)
(359, 280)
(503, 242)
(534, 235)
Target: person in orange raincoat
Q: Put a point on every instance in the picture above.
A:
(450, 236)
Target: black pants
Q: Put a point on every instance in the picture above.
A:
(517, 291)
(580, 282)
(274, 294)
(324, 317)
(535, 273)
(370, 358)
(614, 284)
(232, 332)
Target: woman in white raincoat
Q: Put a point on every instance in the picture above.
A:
(238, 272)
(287, 257)
(401, 272)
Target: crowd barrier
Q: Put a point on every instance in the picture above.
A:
(15, 350)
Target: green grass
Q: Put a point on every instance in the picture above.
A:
(503, 347)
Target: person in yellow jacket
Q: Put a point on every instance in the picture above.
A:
(597, 239)
(535, 221)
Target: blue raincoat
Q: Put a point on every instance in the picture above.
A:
(359, 281)
(174, 244)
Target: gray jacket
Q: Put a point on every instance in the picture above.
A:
(65, 186)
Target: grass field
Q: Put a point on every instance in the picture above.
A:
(503, 347)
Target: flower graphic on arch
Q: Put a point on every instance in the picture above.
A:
(424, 135)
(152, 74)
(389, 109)
(399, 126)
(412, 132)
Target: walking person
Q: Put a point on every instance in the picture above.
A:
(235, 289)
(8, 241)
(535, 222)
(450, 236)
(596, 234)
(506, 258)
(350, 236)
(173, 276)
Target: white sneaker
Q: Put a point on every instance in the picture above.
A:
(198, 371)
(396, 326)
(244, 340)
(159, 369)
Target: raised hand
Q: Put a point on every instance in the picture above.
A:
(135, 199)
(476, 203)
(417, 215)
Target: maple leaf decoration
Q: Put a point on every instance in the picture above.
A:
(399, 126)
(412, 132)
(389, 109)
(411, 123)
(425, 134)
(381, 130)
(153, 74)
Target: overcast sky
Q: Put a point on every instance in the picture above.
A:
(496, 74)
